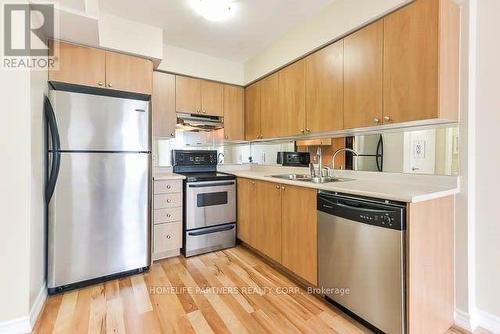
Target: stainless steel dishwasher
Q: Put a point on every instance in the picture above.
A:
(361, 258)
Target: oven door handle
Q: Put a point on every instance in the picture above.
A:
(220, 229)
(204, 185)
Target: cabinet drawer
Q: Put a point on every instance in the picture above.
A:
(167, 237)
(167, 186)
(163, 201)
(167, 215)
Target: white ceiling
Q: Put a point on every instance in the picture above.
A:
(254, 26)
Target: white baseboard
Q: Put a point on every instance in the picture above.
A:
(488, 321)
(37, 306)
(463, 320)
(16, 326)
(25, 324)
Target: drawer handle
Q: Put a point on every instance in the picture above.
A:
(168, 201)
(168, 186)
(221, 229)
(168, 236)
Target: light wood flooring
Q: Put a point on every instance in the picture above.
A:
(221, 292)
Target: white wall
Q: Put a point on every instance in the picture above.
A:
(38, 88)
(182, 61)
(339, 18)
(128, 36)
(488, 159)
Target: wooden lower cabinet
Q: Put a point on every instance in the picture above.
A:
(299, 240)
(246, 195)
(268, 219)
(280, 222)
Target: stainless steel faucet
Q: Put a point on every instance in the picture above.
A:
(340, 151)
(320, 160)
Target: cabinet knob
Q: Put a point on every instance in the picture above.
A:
(169, 215)
(168, 200)
(376, 120)
(110, 85)
(301, 130)
(308, 130)
(168, 186)
(277, 187)
(100, 83)
(282, 188)
(387, 118)
(226, 136)
(172, 134)
(168, 236)
(204, 111)
(198, 110)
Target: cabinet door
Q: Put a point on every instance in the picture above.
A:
(78, 65)
(246, 197)
(299, 232)
(271, 119)
(187, 94)
(163, 104)
(268, 220)
(234, 113)
(252, 112)
(127, 73)
(212, 94)
(325, 89)
(363, 77)
(292, 105)
(411, 63)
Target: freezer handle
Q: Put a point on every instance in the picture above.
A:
(56, 146)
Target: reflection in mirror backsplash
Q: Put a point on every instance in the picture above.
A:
(422, 151)
(428, 151)
(229, 153)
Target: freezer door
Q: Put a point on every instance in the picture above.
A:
(99, 217)
(100, 123)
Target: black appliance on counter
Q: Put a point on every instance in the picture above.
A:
(209, 220)
(294, 159)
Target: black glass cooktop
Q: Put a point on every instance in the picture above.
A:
(207, 176)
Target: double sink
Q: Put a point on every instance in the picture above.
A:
(309, 178)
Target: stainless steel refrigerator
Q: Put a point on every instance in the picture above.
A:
(98, 188)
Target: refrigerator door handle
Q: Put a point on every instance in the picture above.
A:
(56, 146)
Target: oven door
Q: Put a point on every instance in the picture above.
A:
(210, 203)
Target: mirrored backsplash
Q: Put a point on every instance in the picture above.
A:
(416, 151)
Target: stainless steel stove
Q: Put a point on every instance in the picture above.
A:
(209, 202)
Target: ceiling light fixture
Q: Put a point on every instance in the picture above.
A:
(213, 10)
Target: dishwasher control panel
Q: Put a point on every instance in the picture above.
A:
(369, 211)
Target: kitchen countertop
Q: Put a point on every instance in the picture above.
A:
(167, 176)
(395, 190)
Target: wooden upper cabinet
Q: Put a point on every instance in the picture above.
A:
(187, 94)
(292, 107)
(234, 113)
(212, 98)
(128, 73)
(247, 209)
(92, 67)
(421, 62)
(270, 113)
(325, 89)
(252, 111)
(299, 232)
(78, 65)
(268, 219)
(363, 77)
(163, 105)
